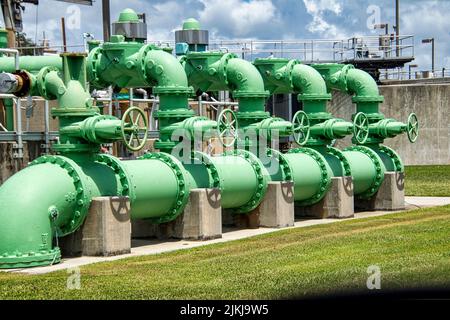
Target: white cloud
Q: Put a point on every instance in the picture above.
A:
(239, 18)
(317, 9)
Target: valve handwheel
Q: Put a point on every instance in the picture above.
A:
(134, 128)
(227, 127)
(302, 128)
(361, 128)
(413, 128)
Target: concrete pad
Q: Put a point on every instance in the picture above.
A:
(275, 211)
(151, 247)
(105, 232)
(390, 196)
(201, 220)
(338, 203)
(277, 208)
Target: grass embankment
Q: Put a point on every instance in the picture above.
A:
(431, 181)
(412, 249)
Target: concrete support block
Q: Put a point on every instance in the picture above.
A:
(337, 204)
(201, 220)
(391, 195)
(276, 210)
(105, 232)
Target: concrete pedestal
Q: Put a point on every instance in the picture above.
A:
(201, 220)
(276, 210)
(390, 197)
(105, 232)
(338, 203)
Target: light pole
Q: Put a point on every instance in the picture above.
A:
(433, 51)
(410, 67)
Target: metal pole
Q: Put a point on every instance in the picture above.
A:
(63, 30)
(397, 25)
(433, 55)
(106, 13)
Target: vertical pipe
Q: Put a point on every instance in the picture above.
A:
(106, 13)
(19, 128)
(47, 127)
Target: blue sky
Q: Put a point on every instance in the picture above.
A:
(261, 19)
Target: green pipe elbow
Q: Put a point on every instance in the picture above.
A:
(247, 86)
(312, 88)
(289, 76)
(50, 198)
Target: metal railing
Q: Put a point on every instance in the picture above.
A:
(414, 74)
(317, 50)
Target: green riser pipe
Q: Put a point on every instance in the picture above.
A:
(9, 114)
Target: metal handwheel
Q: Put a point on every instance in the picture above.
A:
(413, 128)
(302, 128)
(361, 128)
(134, 128)
(227, 126)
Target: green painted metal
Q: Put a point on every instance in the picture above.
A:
(3, 39)
(367, 98)
(367, 170)
(32, 64)
(191, 24)
(55, 194)
(9, 114)
(370, 160)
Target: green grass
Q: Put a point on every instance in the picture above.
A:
(412, 249)
(428, 181)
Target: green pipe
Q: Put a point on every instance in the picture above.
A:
(239, 175)
(9, 114)
(30, 63)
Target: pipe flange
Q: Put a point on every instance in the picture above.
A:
(82, 199)
(325, 179)
(379, 167)
(284, 164)
(223, 66)
(89, 128)
(142, 58)
(261, 189)
(208, 161)
(290, 71)
(40, 79)
(398, 163)
(183, 187)
(93, 60)
(340, 155)
(344, 74)
(121, 172)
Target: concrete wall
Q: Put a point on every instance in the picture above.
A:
(430, 101)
